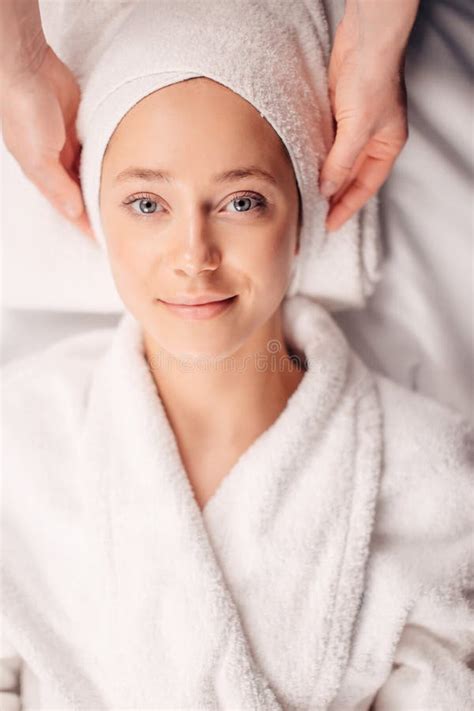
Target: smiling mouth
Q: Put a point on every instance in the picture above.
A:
(189, 300)
(200, 311)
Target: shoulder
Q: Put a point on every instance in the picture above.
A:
(80, 348)
(424, 437)
(47, 389)
(421, 420)
(426, 496)
(423, 434)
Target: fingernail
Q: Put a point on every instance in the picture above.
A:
(72, 211)
(332, 224)
(328, 187)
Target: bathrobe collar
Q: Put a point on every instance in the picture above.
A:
(168, 627)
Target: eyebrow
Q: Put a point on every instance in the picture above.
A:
(156, 175)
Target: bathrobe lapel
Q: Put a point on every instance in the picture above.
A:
(187, 603)
(170, 631)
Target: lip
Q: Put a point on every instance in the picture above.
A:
(205, 310)
(206, 298)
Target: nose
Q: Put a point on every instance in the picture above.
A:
(195, 251)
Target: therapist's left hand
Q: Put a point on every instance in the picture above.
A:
(369, 103)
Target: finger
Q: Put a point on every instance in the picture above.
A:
(69, 158)
(72, 150)
(370, 178)
(83, 224)
(57, 185)
(340, 160)
(46, 187)
(350, 178)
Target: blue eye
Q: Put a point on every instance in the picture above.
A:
(242, 201)
(148, 206)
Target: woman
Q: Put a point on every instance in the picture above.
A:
(200, 521)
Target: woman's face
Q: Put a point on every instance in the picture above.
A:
(183, 219)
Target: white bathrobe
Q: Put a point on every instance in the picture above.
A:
(330, 569)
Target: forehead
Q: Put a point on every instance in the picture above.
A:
(196, 112)
(199, 116)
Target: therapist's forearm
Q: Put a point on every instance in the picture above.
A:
(22, 41)
(381, 25)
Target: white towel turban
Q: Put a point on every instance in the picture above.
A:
(275, 55)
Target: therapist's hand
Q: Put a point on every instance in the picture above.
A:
(368, 100)
(39, 108)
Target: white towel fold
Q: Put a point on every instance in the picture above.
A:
(274, 54)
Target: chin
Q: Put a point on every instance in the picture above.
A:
(195, 349)
(191, 352)
(196, 341)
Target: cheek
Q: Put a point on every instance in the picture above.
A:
(273, 254)
(128, 261)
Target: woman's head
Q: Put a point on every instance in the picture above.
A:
(233, 86)
(202, 227)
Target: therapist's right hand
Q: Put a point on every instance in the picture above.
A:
(39, 109)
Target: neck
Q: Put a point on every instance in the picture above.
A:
(233, 398)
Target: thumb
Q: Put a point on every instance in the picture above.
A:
(349, 142)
